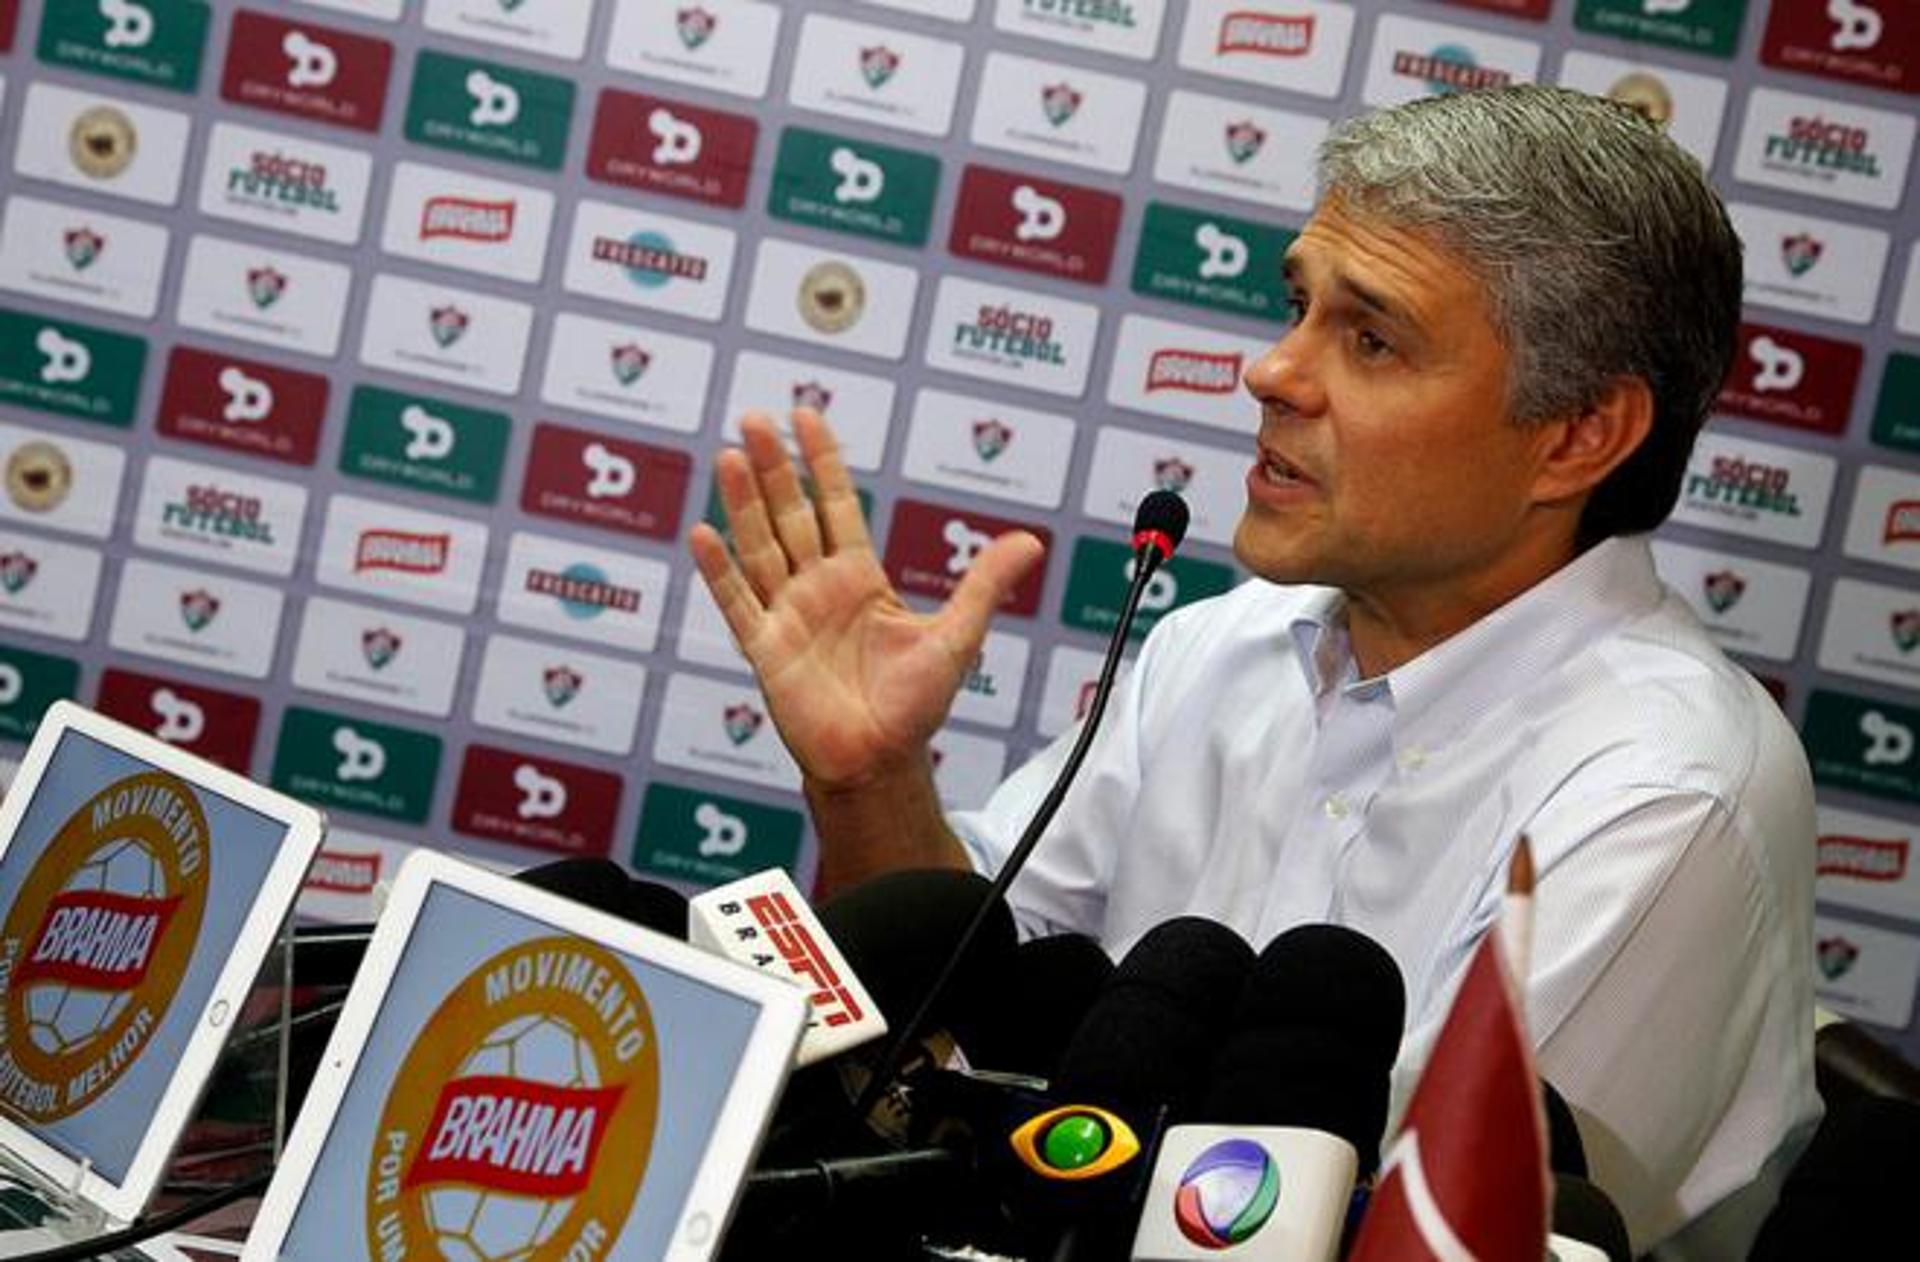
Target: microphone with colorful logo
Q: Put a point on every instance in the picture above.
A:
(1295, 1105)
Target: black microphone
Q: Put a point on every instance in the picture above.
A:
(1159, 524)
(1300, 1085)
(606, 886)
(1045, 992)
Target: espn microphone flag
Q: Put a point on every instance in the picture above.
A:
(1466, 1180)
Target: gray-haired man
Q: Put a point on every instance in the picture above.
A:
(1514, 310)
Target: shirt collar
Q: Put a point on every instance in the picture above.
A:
(1465, 676)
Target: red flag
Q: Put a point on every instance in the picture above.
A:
(1467, 1179)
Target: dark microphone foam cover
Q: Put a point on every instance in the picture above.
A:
(1582, 1212)
(1147, 1038)
(1162, 512)
(1313, 1039)
(898, 930)
(605, 886)
(1565, 1153)
(1049, 986)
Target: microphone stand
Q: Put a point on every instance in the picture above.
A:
(1147, 558)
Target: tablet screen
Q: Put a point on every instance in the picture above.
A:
(124, 893)
(522, 1093)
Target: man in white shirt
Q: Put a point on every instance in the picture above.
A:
(1514, 309)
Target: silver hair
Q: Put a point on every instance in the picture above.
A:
(1605, 252)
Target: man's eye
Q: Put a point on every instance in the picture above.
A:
(1371, 344)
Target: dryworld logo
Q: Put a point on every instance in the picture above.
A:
(493, 1140)
(97, 941)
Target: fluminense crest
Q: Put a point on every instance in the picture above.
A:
(742, 721)
(1836, 956)
(1172, 473)
(83, 247)
(379, 645)
(1724, 589)
(198, 607)
(1800, 252)
(1244, 140)
(1905, 626)
(562, 684)
(878, 64)
(1060, 101)
(629, 362)
(811, 394)
(17, 570)
(990, 437)
(448, 324)
(695, 26)
(265, 285)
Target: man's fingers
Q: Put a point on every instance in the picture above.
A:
(995, 572)
(833, 488)
(788, 508)
(761, 557)
(738, 604)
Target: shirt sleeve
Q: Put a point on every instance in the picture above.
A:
(1660, 955)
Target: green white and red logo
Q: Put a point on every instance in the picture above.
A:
(83, 247)
(1904, 624)
(1172, 474)
(742, 722)
(695, 26)
(991, 437)
(1244, 140)
(265, 285)
(448, 324)
(561, 684)
(1060, 102)
(1800, 252)
(1724, 589)
(1836, 957)
(629, 362)
(878, 63)
(17, 570)
(198, 608)
(811, 394)
(379, 645)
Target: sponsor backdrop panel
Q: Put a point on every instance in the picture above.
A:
(363, 364)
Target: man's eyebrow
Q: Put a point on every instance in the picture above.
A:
(1291, 268)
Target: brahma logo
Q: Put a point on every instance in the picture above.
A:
(402, 550)
(1199, 372)
(1903, 522)
(1269, 34)
(492, 1141)
(878, 64)
(1059, 102)
(1244, 140)
(467, 219)
(97, 942)
(1724, 589)
(1863, 858)
(342, 872)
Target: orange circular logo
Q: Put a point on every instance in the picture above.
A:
(97, 942)
(492, 1145)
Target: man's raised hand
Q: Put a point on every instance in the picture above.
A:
(856, 681)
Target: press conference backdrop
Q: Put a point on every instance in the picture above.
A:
(363, 363)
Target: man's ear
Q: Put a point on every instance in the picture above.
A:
(1580, 450)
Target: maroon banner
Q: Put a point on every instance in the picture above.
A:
(96, 940)
(551, 1140)
(308, 71)
(671, 147)
(1876, 43)
(613, 483)
(930, 548)
(243, 405)
(1035, 224)
(218, 726)
(538, 802)
(1790, 378)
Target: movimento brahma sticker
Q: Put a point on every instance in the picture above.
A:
(97, 941)
(521, 1122)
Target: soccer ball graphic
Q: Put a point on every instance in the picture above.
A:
(471, 1225)
(62, 1018)
(1227, 1194)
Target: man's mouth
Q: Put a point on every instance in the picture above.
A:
(1279, 470)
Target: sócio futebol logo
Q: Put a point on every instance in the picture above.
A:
(492, 1144)
(97, 942)
(1227, 1194)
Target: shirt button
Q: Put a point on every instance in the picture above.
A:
(1335, 806)
(1413, 760)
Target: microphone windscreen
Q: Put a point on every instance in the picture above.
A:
(898, 930)
(1565, 1153)
(1148, 1036)
(1328, 977)
(1582, 1212)
(1161, 512)
(1048, 986)
(605, 886)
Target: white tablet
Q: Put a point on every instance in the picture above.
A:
(516, 1076)
(141, 889)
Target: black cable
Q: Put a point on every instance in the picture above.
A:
(897, 1050)
(147, 1228)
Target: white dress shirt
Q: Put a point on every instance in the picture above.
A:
(1244, 774)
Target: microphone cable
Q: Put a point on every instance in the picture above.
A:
(146, 1229)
